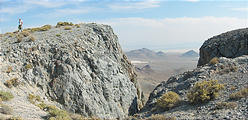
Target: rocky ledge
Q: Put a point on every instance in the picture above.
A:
(80, 68)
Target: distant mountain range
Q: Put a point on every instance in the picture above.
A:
(145, 53)
(190, 53)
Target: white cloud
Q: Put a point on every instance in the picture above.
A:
(134, 5)
(240, 9)
(191, 0)
(45, 3)
(171, 33)
(15, 9)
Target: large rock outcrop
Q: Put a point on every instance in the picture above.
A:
(230, 44)
(82, 68)
(230, 70)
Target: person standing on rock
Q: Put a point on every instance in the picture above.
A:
(20, 25)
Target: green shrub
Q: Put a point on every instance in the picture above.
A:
(12, 82)
(160, 117)
(67, 28)
(204, 91)
(5, 109)
(64, 24)
(214, 60)
(28, 66)
(58, 35)
(168, 100)
(226, 105)
(239, 94)
(6, 96)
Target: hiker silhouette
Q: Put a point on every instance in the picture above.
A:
(20, 25)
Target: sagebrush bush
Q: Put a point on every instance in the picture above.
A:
(12, 82)
(239, 94)
(6, 96)
(64, 24)
(33, 98)
(28, 66)
(214, 60)
(58, 35)
(160, 117)
(204, 91)
(67, 28)
(168, 100)
(226, 105)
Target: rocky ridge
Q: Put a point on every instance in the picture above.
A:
(230, 68)
(81, 69)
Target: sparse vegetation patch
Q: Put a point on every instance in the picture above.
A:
(214, 61)
(67, 28)
(204, 91)
(12, 82)
(6, 96)
(239, 94)
(28, 66)
(226, 105)
(168, 100)
(64, 24)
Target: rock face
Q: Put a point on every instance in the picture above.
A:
(231, 72)
(230, 44)
(83, 69)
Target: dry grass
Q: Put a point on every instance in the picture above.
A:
(239, 94)
(226, 105)
(10, 69)
(12, 82)
(33, 98)
(59, 24)
(32, 38)
(214, 61)
(6, 96)
(25, 33)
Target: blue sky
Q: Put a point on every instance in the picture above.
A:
(155, 24)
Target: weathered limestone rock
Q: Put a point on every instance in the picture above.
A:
(230, 44)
